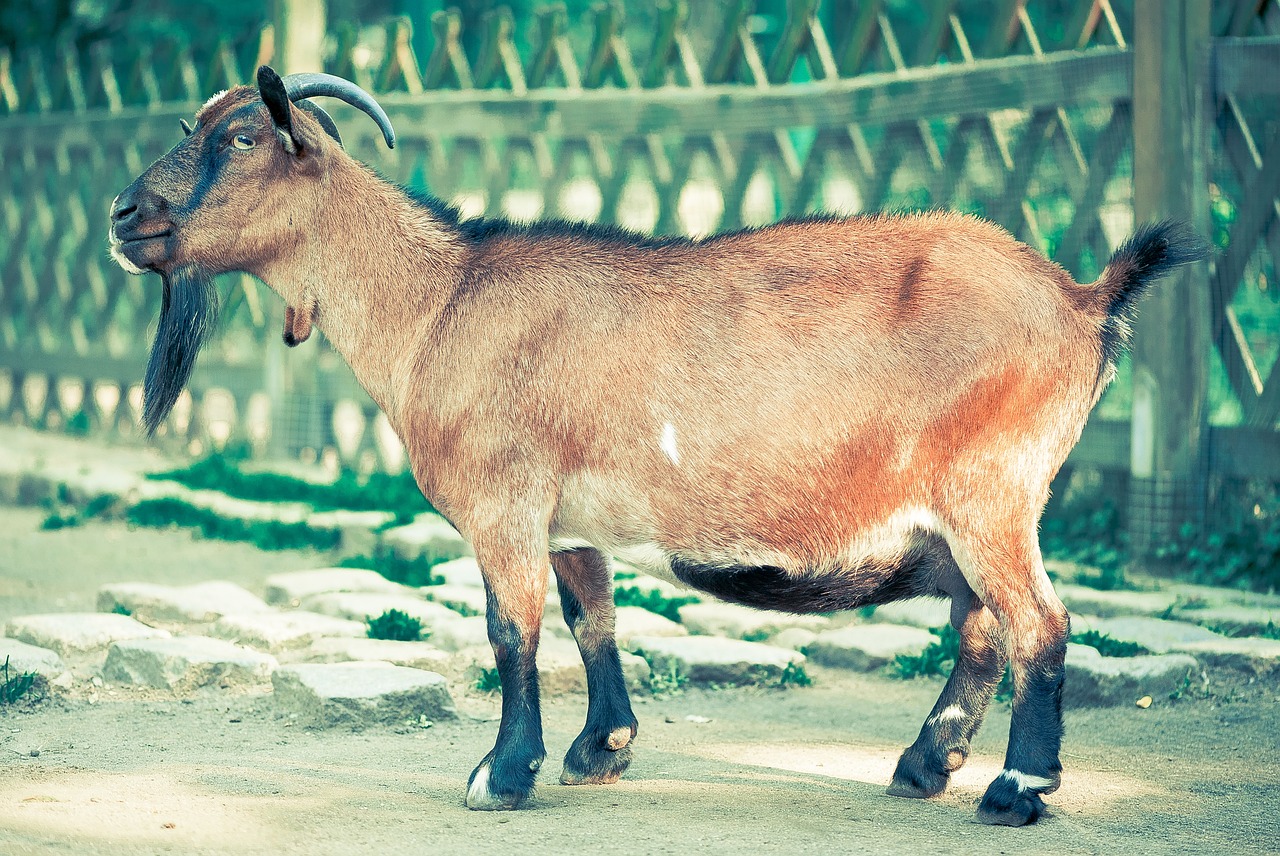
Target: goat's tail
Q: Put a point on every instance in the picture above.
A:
(1152, 251)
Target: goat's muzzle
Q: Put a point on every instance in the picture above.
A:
(141, 234)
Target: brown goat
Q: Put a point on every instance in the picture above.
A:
(811, 416)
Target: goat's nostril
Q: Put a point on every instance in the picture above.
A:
(122, 212)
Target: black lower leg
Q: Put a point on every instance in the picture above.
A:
(943, 744)
(1032, 765)
(506, 775)
(602, 752)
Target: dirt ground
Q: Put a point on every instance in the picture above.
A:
(795, 771)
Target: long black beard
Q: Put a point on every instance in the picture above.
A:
(187, 316)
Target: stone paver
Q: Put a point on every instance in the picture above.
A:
(23, 658)
(202, 602)
(634, 621)
(279, 631)
(461, 633)
(361, 693)
(560, 668)
(464, 571)
(1093, 680)
(795, 638)
(1109, 604)
(185, 663)
(359, 606)
(867, 646)
(922, 612)
(415, 655)
(289, 589)
(1155, 634)
(1252, 655)
(710, 659)
(714, 618)
(77, 632)
(466, 600)
(1240, 620)
(429, 536)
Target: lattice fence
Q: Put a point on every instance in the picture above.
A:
(1019, 111)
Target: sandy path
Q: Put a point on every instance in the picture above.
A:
(799, 771)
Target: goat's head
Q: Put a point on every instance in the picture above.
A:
(228, 197)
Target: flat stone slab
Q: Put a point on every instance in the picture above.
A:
(1240, 620)
(361, 693)
(1109, 604)
(415, 655)
(1252, 655)
(1190, 593)
(631, 621)
(185, 663)
(280, 631)
(713, 660)
(560, 668)
(360, 606)
(465, 600)
(1157, 635)
(460, 633)
(714, 618)
(922, 612)
(865, 647)
(429, 537)
(342, 519)
(23, 658)
(464, 571)
(200, 603)
(289, 589)
(795, 638)
(1093, 680)
(77, 632)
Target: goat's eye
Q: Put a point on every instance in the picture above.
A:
(243, 142)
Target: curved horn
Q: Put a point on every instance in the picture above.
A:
(310, 85)
(325, 120)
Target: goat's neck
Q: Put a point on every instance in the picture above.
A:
(377, 272)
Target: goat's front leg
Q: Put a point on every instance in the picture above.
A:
(602, 752)
(515, 583)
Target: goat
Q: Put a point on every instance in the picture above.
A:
(811, 416)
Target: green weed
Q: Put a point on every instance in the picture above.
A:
(488, 681)
(654, 601)
(1108, 646)
(794, 675)
(397, 626)
(265, 534)
(14, 687)
(410, 572)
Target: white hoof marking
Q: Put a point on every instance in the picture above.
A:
(1027, 782)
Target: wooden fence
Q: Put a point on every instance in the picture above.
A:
(1024, 112)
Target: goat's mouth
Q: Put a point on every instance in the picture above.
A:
(138, 253)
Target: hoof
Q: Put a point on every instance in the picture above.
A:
(920, 777)
(598, 761)
(485, 794)
(1014, 799)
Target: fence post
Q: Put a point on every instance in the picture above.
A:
(1172, 112)
(290, 378)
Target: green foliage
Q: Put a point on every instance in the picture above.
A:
(794, 675)
(67, 516)
(1108, 646)
(665, 681)
(265, 534)
(121, 609)
(397, 626)
(1271, 631)
(488, 681)
(14, 687)
(410, 572)
(654, 601)
(1240, 548)
(350, 491)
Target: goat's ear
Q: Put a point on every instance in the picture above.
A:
(274, 95)
(297, 140)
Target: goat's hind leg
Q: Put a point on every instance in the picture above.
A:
(602, 752)
(943, 745)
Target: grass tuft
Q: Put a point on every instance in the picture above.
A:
(264, 534)
(654, 601)
(396, 626)
(14, 687)
(488, 680)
